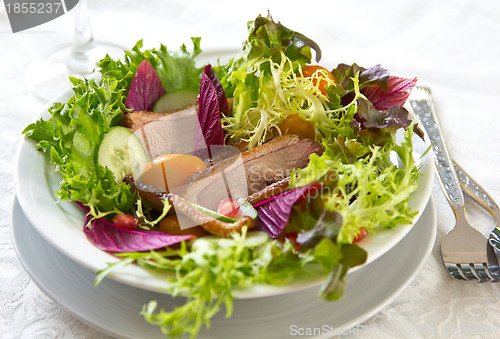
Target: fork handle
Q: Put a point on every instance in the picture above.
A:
(424, 109)
(475, 191)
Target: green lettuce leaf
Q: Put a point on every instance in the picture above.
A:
(74, 132)
(350, 256)
(344, 75)
(327, 227)
(378, 127)
(335, 258)
(269, 39)
(72, 141)
(177, 70)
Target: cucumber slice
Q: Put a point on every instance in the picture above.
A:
(174, 101)
(246, 208)
(214, 215)
(122, 152)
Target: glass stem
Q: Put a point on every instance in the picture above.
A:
(80, 61)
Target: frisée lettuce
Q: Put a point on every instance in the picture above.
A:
(363, 185)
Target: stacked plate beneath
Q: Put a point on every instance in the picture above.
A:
(113, 307)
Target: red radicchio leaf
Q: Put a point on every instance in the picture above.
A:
(398, 90)
(273, 214)
(210, 101)
(221, 95)
(108, 237)
(146, 88)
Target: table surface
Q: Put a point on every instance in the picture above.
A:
(451, 46)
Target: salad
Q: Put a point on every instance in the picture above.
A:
(227, 175)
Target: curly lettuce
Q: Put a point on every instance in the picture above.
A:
(269, 39)
(208, 271)
(262, 100)
(369, 191)
(74, 132)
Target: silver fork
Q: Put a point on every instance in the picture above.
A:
(480, 196)
(464, 249)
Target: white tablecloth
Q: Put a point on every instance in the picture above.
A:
(451, 46)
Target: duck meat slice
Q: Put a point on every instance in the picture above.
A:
(136, 120)
(250, 172)
(183, 206)
(166, 133)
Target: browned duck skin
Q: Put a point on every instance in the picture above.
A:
(269, 191)
(210, 224)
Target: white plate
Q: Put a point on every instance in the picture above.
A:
(61, 223)
(113, 308)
